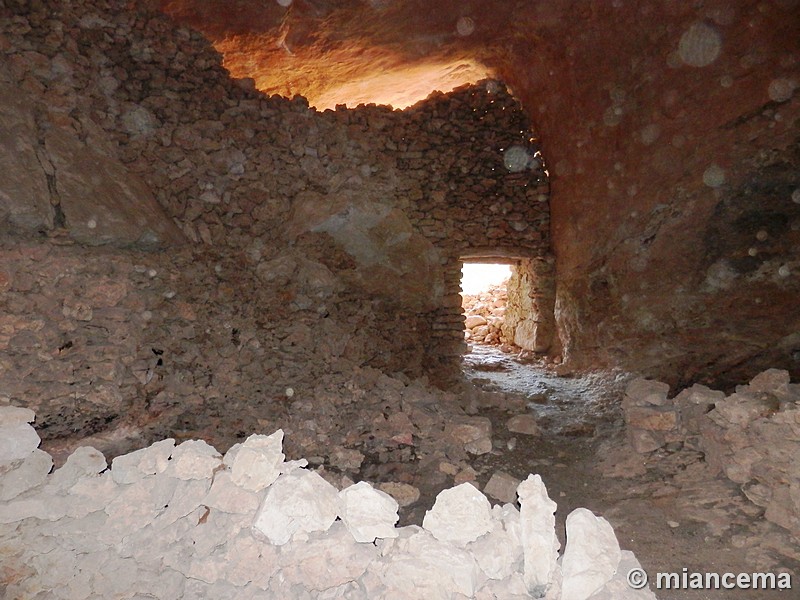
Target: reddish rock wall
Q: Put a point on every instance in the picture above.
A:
(671, 130)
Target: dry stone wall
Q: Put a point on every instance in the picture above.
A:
(399, 195)
(183, 521)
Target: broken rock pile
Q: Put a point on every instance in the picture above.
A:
(751, 436)
(485, 313)
(184, 521)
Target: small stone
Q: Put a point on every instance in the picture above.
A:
(651, 418)
(300, 501)
(460, 515)
(17, 442)
(193, 459)
(502, 486)
(524, 424)
(346, 459)
(403, 493)
(642, 392)
(474, 321)
(228, 497)
(258, 461)
(368, 513)
(30, 473)
(131, 467)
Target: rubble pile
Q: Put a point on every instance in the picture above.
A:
(183, 521)
(751, 436)
(484, 313)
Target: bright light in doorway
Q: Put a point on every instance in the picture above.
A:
(479, 277)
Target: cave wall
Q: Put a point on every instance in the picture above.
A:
(293, 244)
(671, 131)
(671, 134)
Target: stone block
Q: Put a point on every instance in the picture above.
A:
(591, 557)
(368, 513)
(459, 515)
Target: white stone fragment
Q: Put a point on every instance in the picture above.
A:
(193, 459)
(229, 497)
(460, 515)
(17, 442)
(14, 415)
(30, 473)
(300, 501)
(258, 461)
(539, 542)
(368, 513)
(422, 567)
(129, 468)
(591, 556)
(323, 562)
(619, 588)
(498, 554)
(84, 462)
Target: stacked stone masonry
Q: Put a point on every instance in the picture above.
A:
(182, 521)
(401, 195)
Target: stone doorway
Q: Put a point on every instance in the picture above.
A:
(508, 303)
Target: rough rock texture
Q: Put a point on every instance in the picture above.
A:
(751, 436)
(122, 106)
(671, 135)
(144, 528)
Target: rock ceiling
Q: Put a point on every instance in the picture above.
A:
(355, 51)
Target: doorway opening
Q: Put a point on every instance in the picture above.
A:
(508, 304)
(484, 296)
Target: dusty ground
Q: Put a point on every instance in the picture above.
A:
(666, 509)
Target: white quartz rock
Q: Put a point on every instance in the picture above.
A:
(17, 442)
(29, 474)
(193, 459)
(298, 501)
(539, 541)
(147, 461)
(14, 415)
(368, 513)
(423, 567)
(84, 462)
(460, 515)
(619, 588)
(229, 497)
(591, 556)
(499, 554)
(322, 562)
(257, 461)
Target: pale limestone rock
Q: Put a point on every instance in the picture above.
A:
(188, 495)
(229, 497)
(422, 567)
(502, 486)
(591, 557)
(258, 461)
(137, 505)
(524, 424)
(193, 459)
(300, 501)
(771, 381)
(460, 515)
(131, 467)
(84, 462)
(510, 588)
(368, 513)
(16, 415)
(324, 561)
(403, 493)
(30, 473)
(539, 542)
(473, 321)
(618, 588)
(17, 442)
(90, 494)
(499, 553)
